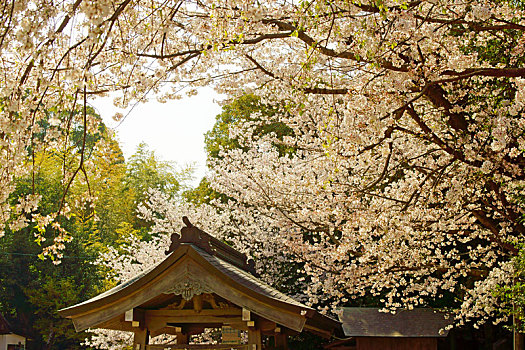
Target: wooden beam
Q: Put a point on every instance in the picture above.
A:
(277, 311)
(138, 320)
(177, 305)
(192, 319)
(192, 329)
(157, 319)
(194, 346)
(210, 299)
(266, 326)
(239, 325)
(117, 323)
(155, 324)
(322, 332)
(205, 312)
(153, 288)
(165, 330)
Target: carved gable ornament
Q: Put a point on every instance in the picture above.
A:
(188, 288)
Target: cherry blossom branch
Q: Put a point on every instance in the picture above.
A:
(487, 72)
(319, 91)
(8, 25)
(493, 227)
(434, 138)
(82, 153)
(509, 212)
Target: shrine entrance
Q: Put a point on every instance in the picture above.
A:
(202, 284)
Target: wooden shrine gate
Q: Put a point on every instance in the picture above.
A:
(203, 283)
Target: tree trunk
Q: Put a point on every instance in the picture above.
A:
(517, 336)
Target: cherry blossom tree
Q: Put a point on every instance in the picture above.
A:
(406, 118)
(242, 227)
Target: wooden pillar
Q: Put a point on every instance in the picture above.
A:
(452, 340)
(182, 338)
(140, 339)
(255, 338)
(281, 341)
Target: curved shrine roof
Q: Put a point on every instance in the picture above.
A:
(197, 255)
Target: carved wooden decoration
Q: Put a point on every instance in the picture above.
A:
(177, 305)
(188, 288)
(210, 299)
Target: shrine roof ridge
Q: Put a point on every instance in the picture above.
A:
(191, 234)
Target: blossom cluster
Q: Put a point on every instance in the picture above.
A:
(406, 176)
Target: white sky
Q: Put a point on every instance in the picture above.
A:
(174, 130)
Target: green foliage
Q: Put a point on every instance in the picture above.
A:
(203, 193)
(241, 110)
(33, 290)
(145, 171)
(513, 294)
(115, 200)
(53, 294)
(247, 108)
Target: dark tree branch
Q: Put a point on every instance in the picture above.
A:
(492, 226)
(487, 72)
(316, 90)
(435, 139)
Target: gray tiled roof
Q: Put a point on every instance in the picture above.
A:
(247, 280)
(117, 288)
(238, 275)
(369, 322)
(240, 279)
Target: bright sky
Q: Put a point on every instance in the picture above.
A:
(174, 130)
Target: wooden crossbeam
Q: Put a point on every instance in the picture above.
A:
(193, 319)
(192, 312)
(157, 319)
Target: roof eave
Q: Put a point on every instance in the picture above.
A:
(89, 305)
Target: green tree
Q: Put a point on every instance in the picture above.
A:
(512, 293)
(144, 171)
(115, 200)
(33, 290)
(241, 110)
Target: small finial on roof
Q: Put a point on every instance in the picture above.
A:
(211, 245)
(187, 221)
